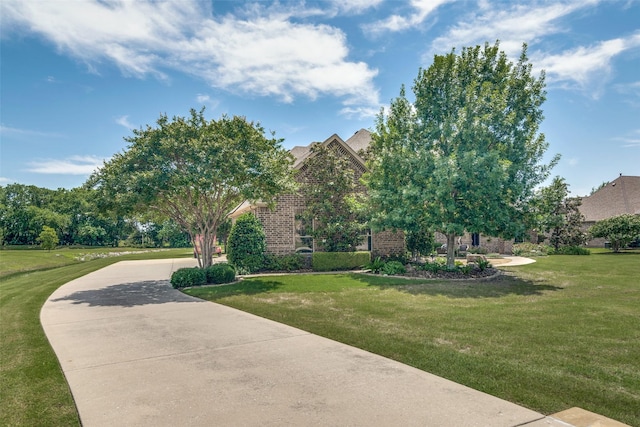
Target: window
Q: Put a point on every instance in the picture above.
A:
(303, 228)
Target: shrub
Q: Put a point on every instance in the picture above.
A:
(530, 249)
(290, 262)
(247, 244)
(570, 250)
(332, 261)
(483, 264)
(466, 269)
(480, 250)
(392, 268)
(186, 277)
(220, 273)
(436, 266)
(375, 266)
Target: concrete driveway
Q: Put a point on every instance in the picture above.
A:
(138, 353)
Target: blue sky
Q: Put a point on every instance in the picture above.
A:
(77, 76)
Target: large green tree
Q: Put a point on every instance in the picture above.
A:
(466, 154)
(194, 171)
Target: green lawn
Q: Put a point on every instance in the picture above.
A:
(33, 390)
(559, 333)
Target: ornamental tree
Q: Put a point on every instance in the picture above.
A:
(466, 154)
(48, 238)
(559, 215)
(619, 230)
(194, 171)
(332, 198)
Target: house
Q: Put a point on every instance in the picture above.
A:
(621, 196)
(284, 227)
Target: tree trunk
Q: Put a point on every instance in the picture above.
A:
(207, 249)
(451, 250)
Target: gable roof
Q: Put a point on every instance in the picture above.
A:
(621, 196)
(359, 141)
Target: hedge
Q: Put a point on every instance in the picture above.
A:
(332, 261)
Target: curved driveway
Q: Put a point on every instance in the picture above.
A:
(138, 353)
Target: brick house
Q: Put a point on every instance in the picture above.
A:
(285, 229)
(620, 196)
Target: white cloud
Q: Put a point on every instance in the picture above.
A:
(632, 141)
(124, 121)
(265, 52)
(580, 66)
(17, 132)
(75, 165)
(202, 98)
(513, 25)
(5, 180)
(420, 10)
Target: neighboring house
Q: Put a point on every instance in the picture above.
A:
(621, 196)
(285, 229)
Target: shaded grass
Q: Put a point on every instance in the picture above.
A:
(33, 389)
(559, 333)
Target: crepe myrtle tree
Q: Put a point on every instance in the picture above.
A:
(619, 230)
(466, 154)
(194, 171)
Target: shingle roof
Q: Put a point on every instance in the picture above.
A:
(360, 140)
(621, 196)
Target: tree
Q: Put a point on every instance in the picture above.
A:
(619, 230)
(331, 198)
(247, 243)
(194, 171)
(559, 215)
(465, 155)
(48, 238)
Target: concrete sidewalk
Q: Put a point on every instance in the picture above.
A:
(138, 353)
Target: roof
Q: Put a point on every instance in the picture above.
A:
(359, 141)
(621, 196)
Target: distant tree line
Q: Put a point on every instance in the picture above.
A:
(27, 210)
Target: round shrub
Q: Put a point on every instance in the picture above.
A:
(220, 273)
(393, 267)
(186, 277)
(247, 244)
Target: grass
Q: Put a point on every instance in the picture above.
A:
(559, 333)
(33, 390)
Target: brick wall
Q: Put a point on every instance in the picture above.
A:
(387, 242)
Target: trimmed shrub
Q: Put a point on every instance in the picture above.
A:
(570, 250)
(186, 277)
(392, 268)
(289, 262)
(334, 261)
(220, 273)
(247, 244)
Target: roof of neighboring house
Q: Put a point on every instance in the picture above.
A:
(359, 141)
(621, 196)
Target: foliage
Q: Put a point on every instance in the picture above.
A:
(186, 277)
(375, 265)
(194, 172)
(333, 261)
(570, 250)
(465, 156)
(435, 266)
(170, 234)
(391, 268)
(419, 242)
(220, 273)
(48, 238)
(528, 249)
(483, 264)
(247, 244)
(288, 262)
(559, 215)
(619, 230)
(332, 199)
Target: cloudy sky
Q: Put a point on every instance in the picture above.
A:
(78, 75)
